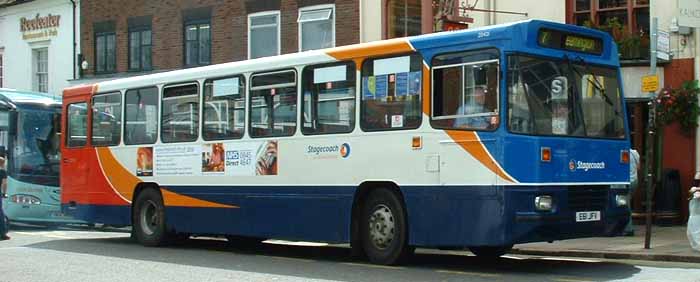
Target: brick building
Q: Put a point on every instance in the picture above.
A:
(121, 38)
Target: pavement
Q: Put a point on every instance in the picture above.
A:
(667, 244)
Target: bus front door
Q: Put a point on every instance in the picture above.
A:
(75, 152)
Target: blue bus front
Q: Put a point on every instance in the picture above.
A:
(567, 144)
(33, 158)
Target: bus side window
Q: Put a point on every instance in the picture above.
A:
(273, 104)
(465, 90)
(391, 93)
(141, 116)
(77, 125)
(180, 113)
(106, 119)
(329, 98)
(224, 108)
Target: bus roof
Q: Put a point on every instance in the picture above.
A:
(520, 33)
(20, 98)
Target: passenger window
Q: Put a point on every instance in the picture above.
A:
(273, 104)
(465, 91)
(224, 108)
(141, 116)
(391, 90)
(106, 119)
(180, 118)
(77, 125)
(329, 99)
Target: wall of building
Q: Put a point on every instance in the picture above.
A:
(370, 20)
(229, 27)
(17, 47)
(554, 11)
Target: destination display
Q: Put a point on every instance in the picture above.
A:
(568, 41)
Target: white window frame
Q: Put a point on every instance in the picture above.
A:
(312, 8)
(279, 24)
(2, 67)
(35, 69)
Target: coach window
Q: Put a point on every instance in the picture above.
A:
(77, 125)
(141, 116)
(391, 89)
(106, 119)
(180, 115)
(329, 99)
(273, 104)
(224, 108)
(465, 90)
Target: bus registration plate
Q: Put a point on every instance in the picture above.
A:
(587, 216)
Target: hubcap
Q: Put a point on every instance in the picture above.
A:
(381, 227)
(149, 217)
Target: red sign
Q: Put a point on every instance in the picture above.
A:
(450, 25)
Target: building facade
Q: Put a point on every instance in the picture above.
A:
(123, 38)
(37, 50)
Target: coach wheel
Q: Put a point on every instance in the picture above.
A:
(384, 235)
(490, 251)
(149, 218)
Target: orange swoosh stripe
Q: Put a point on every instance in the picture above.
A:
(471, 143)
(377, 48)
(172, 199)
(122, 180)
(124, 183)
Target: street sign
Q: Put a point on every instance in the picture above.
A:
(688, 13)
(650, 83)
(663, 45)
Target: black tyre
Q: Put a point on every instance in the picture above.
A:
(149, 219)
(383, 228)
(490, 252)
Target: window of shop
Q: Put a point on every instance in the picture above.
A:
(263, 34)
(626, 20)
(105, 52)
(316, 27)
(197, 44)
(140, 46)
(403, 18)
(41, 69)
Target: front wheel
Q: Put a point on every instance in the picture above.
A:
(384, 228)
(491, 252)
(149, 219)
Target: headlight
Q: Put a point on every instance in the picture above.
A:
(621, 200)
(543, 203)
(25, 199)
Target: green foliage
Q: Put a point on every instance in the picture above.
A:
(680, 105)
(632, 45)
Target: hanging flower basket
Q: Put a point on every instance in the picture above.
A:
(680, 105)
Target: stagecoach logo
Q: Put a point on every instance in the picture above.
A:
(585, 166)
(328, 151)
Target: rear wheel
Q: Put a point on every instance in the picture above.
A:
(491, 252)
(383, 228)
(149, 219)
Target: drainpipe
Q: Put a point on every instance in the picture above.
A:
(74, 43)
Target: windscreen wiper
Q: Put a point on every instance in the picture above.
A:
(594, 81)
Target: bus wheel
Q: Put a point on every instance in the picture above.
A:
(490, 251)
(383, 228)
(149, 219)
